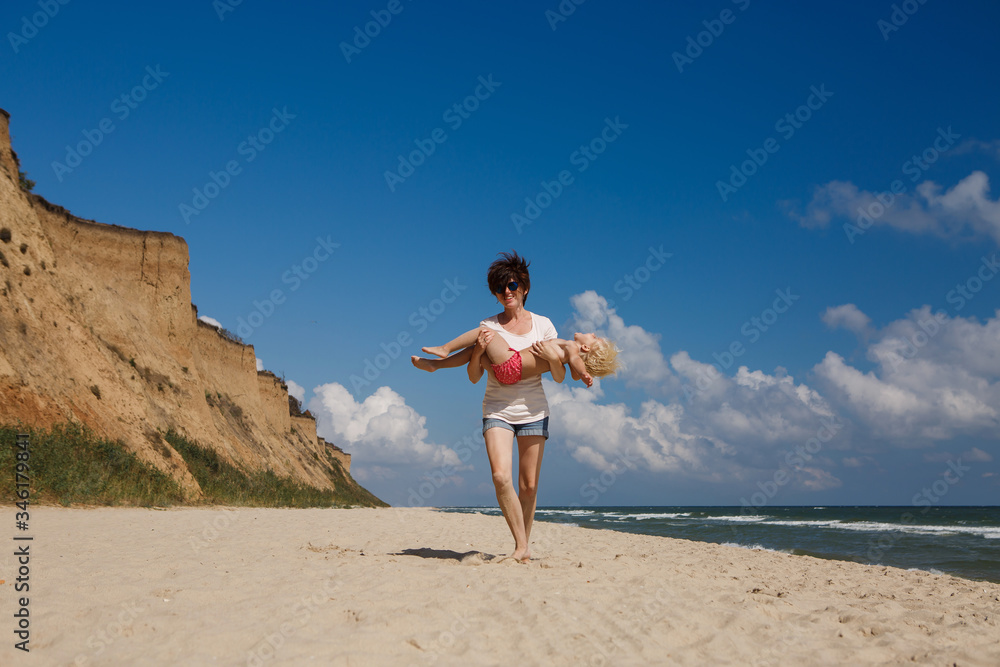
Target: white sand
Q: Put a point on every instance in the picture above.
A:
(418, 587)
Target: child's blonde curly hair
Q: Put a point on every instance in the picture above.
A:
(602, 359)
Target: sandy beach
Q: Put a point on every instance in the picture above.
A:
(217, 586)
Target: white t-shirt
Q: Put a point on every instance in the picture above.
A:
(523, 402)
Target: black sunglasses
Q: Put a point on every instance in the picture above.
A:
(512, 286)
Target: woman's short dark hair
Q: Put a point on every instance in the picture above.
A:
(509, 267)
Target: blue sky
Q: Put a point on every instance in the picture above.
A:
(739, 138)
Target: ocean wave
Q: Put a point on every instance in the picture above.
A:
(988, 532)
(755, 547)
(793, 522)
(667, 515)
(737, 519)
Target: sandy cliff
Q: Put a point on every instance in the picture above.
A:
(97, 326)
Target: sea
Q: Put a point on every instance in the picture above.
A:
(961, 541)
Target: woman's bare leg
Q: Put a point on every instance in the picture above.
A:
(465, 340)
(499, 449)
(454, 361)
(530, 449)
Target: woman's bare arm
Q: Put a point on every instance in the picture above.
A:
(475, 366)
(549, 351)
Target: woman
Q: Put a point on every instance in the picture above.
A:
(517, 410)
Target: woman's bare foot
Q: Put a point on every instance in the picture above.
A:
(522, 555)
(437, 351)
(423, 364)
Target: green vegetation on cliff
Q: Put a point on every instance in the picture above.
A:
(225, 484)
(69, 464)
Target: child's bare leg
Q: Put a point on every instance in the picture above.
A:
(465, 340)
(532, 364)
(454, 361)
(498, 352)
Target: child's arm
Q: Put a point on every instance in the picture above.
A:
(577, 367)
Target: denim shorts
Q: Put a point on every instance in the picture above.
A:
(540, 427)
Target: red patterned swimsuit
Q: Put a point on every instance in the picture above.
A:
(509, 372)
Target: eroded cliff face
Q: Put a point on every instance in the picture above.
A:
(97, 326)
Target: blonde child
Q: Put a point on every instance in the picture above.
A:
(588, 356)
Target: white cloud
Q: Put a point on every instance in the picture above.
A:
(963, 211)
(975, 145)
(741, 434)
(600, 435)
(847, 316)
(731, 428)
(817, 479)
(210, 320)
(856, 461)
(296, 390)
(976, 454)
(260, 365)
(642, 360)
(382, 429)
(935, 378)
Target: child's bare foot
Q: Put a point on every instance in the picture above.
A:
(437, 351)
(422, 364)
